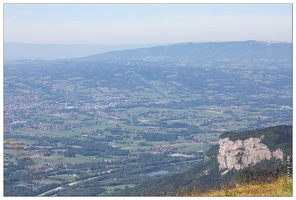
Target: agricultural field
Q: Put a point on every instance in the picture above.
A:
(79, 124)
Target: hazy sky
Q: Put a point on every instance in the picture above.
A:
(145, 23)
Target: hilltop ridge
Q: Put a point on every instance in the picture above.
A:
(208, 174)
(198, 52)
(202, 52)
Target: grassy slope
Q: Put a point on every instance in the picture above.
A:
(279, 187)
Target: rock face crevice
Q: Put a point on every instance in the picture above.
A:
(241, 153)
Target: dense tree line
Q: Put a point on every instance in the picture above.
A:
(159, 137)
(88, 147)
(274, 137)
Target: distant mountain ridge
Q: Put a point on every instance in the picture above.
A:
(18, 51)
(209, 51)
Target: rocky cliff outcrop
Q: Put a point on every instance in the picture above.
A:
(241, 153)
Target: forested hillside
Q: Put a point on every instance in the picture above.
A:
(207, 176)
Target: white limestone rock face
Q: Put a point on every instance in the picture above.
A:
(241, 153)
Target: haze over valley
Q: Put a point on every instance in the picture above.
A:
(122, 121)
(86, 114)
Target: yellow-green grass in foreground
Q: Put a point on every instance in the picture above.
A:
(279, 187)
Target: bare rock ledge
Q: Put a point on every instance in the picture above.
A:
(241, 153)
